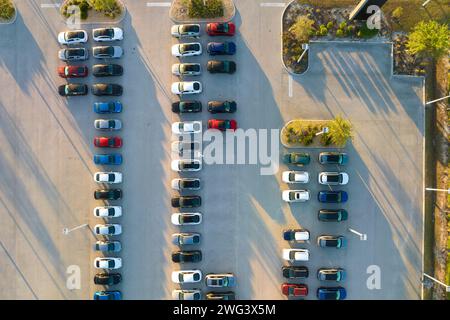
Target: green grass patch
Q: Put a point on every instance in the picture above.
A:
(205, 8)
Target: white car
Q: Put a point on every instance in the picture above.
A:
(186, 218)
(108, 124)
(186, 87)
(108, 212)
(185, 184)
(185, 30)
(187, 49)
(109, 263)
(299, 235)
(108, 177)
(333, 178)
(295, 255)
(181, 165)
(107, 34)
(73, 37)
(184, 294)
(295, 195)
(108, 229)
(187, 127)
(186, 276)
(295, 176)
(186, 69)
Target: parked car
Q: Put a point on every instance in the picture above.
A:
(185, 30)
(332, 196)
(221, 48)
(332, 215)
(108, 246)
(222, 125)
(107, 52)
(296, 158)
(108, 124)
(107, 70)
(186, 238)
(186, 87)
(295, 195)
(108, 229)
(187, 49)
(110, 263)
(108, 159)
(186, 276)
(294, 290)
(73, 54)
(185, 184)
(108, 194)
(108, 177)
(186, 165)
(108, 107)
(292, 272)
(107, 279)
(187, 256)
(327, 241)
(185, 294)
(331, 293)
(107, 89)
(295, 176)
(186, 69)
(181, 147)
(73, 37)
(107, 34)
(186, 202)
(331, 274)
(187, 127)
(186, 219)
(108, 142)
(73, 89)
(333, 178)
(217, 66)
(293, 255)
(222, 106)
(108, 295)
(296, 235)
(108, 212)
(188, 106)
(220, 280)
(72, 71)
(333, 158)
(227, 295)
(220, 29)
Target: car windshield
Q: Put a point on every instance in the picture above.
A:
(291, 176)
(110, 177)
(196, 86)
(110, 141)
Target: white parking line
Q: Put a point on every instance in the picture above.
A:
(273, 4)
(50, 5)
(290, 86)
(159, 4)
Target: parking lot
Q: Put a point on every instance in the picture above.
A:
(47, 162)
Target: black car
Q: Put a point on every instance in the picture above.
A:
(187, 256)
(228, 295)
(108, 194)
(107, 70)
(216, 66)
(291, 272)
(107, 89)
(189, 106)
(73, 89)
(107, 279)
(186, 202)
(222, 106)
(332, 215)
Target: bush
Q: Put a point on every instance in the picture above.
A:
(84, 6)
(302, 29)
(342, 25)
(330, 25)
(429, 38)
(110, 8)
(325, 139)
(340, 131)
(207, 9)
(339, 33)
(323, 31)
(397, 13)
(351, 29)
(7, 10)
(365, 32)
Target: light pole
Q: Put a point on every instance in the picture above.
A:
(447, 287)
(425, 3)
(362, 236)
(433, 189)
(305, 48)
(324, 130)
(436, 100)
(66, 231)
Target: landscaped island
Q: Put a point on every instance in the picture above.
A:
(7, 11)
(198, 10)
(105, 8)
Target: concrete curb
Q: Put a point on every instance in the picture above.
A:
(13, 19)
(202, 20)
(86, 23)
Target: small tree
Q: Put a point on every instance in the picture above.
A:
(429, 38)
(7, 9)
(340, 131)
(108, 7)
(397, 13)
(302, 29)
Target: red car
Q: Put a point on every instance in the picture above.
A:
(73, 71)
(294, 290)
(222, 125)
(221, 29)
(108, 142)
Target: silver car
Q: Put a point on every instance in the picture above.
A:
(186, 238)
(186, 184)
(108, 246)
(105, 52)
(220, 280)
(108, 124)
(73, 54)
(186, 69)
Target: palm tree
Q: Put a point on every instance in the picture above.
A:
(340, 131)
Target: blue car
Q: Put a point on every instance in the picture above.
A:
(331, 293)
(221, 48)
(108, 295)
(332, 196)
(108, 107)
(108, 159)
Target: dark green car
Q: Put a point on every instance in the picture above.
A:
(296, 158)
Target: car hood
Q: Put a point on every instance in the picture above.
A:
(118, 33)
(61, 38)
(175, 49)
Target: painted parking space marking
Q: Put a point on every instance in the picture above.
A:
(273, 4)
(158, 4)
(290, 86)
(50, 5)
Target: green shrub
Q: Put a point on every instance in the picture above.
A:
(110, 8)
(302, 29)
(397, 13)
(325, 139)
(207, 9)
(351, 29)
(323, 31)
(365, 32)
(84, 8)
(330, 25)
(339, 33)
(342, 25)
(7, 10)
